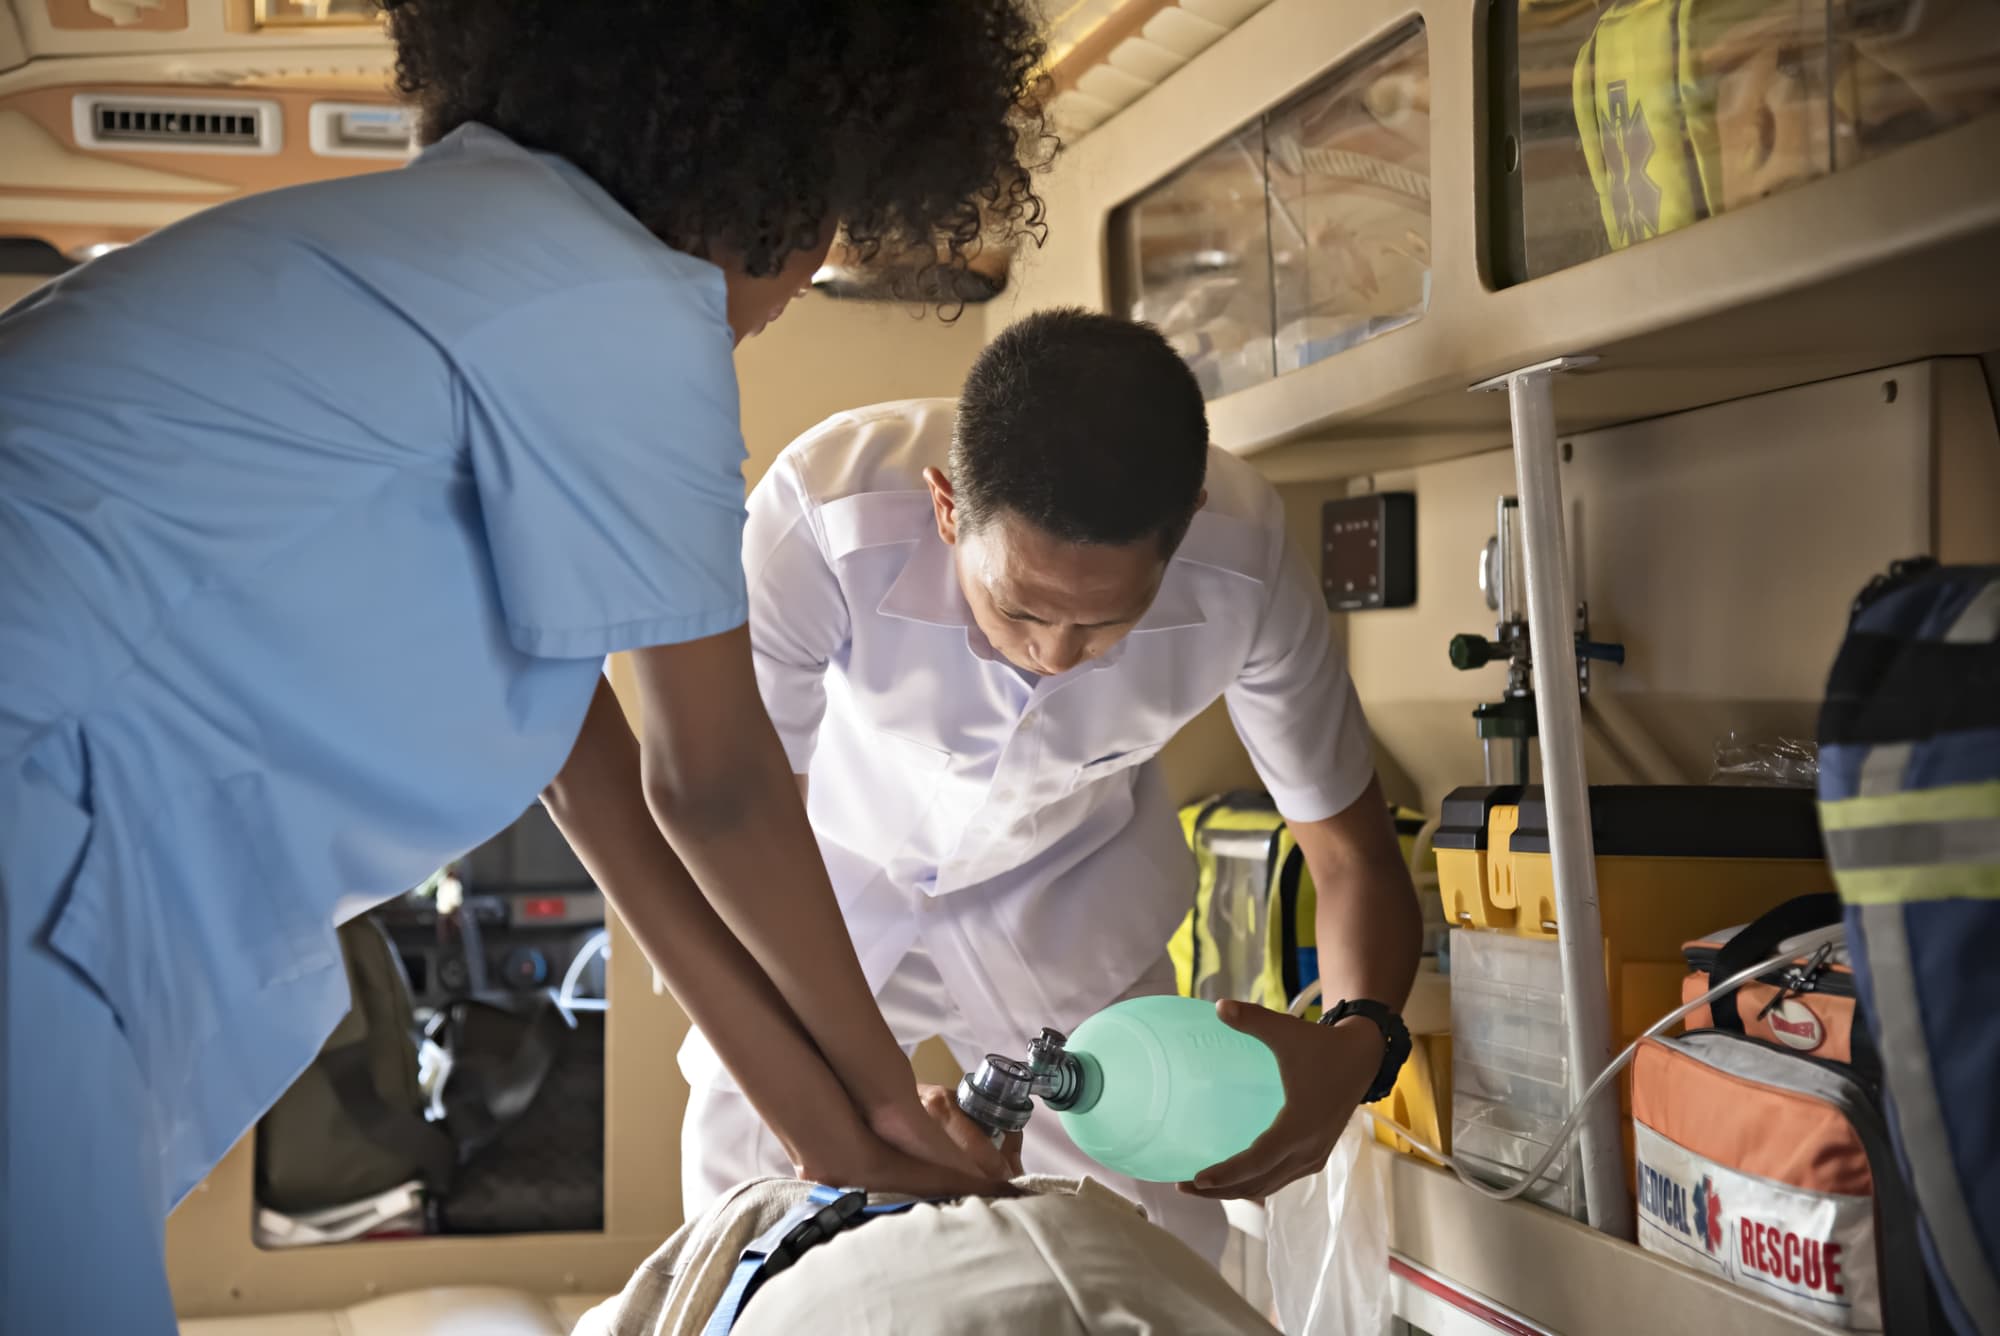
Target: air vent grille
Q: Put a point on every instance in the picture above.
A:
(146, 124)
(169, 124)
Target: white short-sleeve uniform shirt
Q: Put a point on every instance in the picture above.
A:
(1014, 829)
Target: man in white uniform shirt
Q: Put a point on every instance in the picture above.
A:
(975, 624)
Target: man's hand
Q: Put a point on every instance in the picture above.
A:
(1370, 932)
(941, 1103)
(1326, 1071)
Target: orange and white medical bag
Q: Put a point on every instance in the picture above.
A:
(1765, 1160)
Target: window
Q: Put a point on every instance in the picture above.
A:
(1200, 245)
(305, 13)
(1300, 235)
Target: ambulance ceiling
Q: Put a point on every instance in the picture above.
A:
(1105, 55)
(121, 116)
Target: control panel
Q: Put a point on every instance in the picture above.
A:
(1368, 552)
(529, 908)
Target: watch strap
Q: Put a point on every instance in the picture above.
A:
(1396, 1042)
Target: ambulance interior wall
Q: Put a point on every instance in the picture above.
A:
(13, 287)
(822, 357)
(1722, 546)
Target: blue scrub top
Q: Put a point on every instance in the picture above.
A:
(319, 513)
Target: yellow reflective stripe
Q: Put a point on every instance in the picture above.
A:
(1959, 802)
(1904, 885)
(1224, 818)
(1180, 950)
(1192, 942)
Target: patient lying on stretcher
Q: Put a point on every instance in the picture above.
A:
(1064, 1256)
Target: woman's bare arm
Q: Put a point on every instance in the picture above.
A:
(600, 806)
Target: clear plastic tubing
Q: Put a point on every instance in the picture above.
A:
(1803, 945)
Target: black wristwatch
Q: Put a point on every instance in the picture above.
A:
(1395, 1040)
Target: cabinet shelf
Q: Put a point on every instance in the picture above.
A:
(1892, 262)
(1887, 261)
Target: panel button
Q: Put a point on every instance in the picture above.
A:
(525, 967)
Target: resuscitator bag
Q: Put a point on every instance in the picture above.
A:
(1328, 1242)
(1168, 1089)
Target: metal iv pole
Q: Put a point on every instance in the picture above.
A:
(1580, 934)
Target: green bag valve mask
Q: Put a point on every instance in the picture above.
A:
(1156, 1088)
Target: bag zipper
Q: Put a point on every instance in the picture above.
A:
(1799, 979)
(1844, 1070)
(1828, 979)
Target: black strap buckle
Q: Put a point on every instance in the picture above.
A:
(1798, 979)
(816, 1229)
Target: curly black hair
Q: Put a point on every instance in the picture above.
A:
(743, 126)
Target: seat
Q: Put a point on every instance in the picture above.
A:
(457, 1310)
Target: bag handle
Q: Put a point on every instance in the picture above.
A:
(1760, 939)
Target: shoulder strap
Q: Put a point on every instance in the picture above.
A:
(825, 1213)
(1204, 874)
(1285, 911)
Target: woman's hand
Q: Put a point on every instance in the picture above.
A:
(1326, 1071)
(597, 803)
(923, 1147)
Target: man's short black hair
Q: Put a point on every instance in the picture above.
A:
(1089, 427)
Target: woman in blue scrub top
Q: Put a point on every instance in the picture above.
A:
(319, 513)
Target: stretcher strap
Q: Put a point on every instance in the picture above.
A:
(825, 1213)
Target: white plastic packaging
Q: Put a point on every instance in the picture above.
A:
(1328, 1239)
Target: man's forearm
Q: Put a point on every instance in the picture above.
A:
(1366, 919)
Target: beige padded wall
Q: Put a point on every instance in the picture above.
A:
(1722, 546)
(13, 287)
(823, 356)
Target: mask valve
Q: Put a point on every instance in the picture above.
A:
(1000, 1096)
